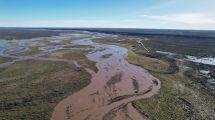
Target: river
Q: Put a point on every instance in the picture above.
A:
(116, 84)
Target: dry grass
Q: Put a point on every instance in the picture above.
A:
(79, 56)
(176, 92)
(151, 64)
(3, 60)
(33, 51)
(179, 97)
(69, 54)
(31, 89)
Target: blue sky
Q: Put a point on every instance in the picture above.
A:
(162, 14)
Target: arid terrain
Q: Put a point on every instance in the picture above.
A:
(106, 74)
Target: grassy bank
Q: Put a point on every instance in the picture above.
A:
(180, 97)
(77, 55)
(31, 89)
(3, 60)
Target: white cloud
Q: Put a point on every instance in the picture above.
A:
(74, 23)
(187, 18)
(176, 21)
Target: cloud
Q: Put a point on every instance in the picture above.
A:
(74, 23)
(176, 21)
(187, 18)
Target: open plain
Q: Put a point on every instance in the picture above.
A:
(94, 74)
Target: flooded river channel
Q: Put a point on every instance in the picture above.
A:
(112, 89)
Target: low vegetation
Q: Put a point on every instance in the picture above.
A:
(79, 56)
(135, 84)
(177, 92)
(31, 89)
(181, 96)
(4, 59)
(115, 79)
(31, 94)
(32, 51)
(151, 64)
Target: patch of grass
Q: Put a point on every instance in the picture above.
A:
(88, 64)
(151, 64)
(106, 55)
(135, 84)
(137, 55)
(31, 89)
(4, 59)
(180, 97)
(33, 51)
(79, 56)
(69, 54)
(119, 98)
(164, 106)
(115, 79)
(168, 104)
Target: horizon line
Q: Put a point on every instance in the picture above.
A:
(22, 27)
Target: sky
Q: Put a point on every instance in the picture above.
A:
(159, 14)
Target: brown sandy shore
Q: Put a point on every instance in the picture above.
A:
(112, 89)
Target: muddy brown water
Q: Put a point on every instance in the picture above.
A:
(112, 89)
(103, 101)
